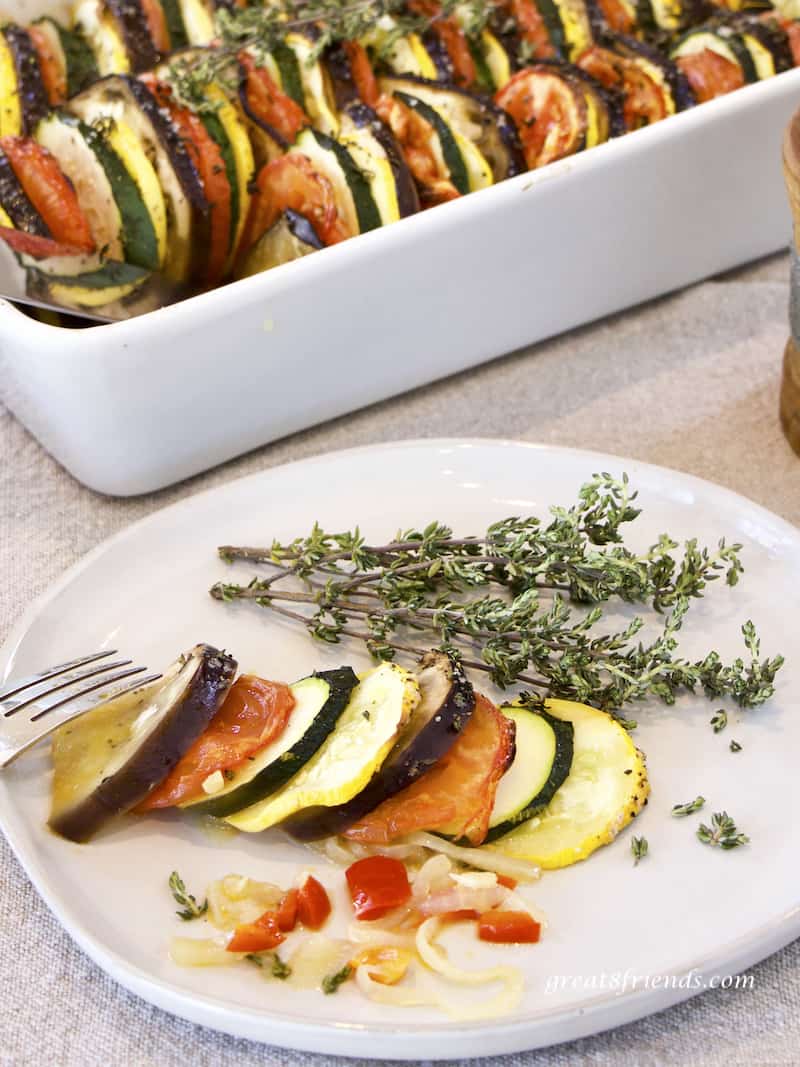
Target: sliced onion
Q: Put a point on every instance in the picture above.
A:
(372, 934)
(481, 858)
(201, 952)
(236, 899)
(403, 997)
(433, 875)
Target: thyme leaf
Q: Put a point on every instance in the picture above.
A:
(639, 849)
(722, 833)
(190, 909)
(277, 967)
(521, 601)
(719, 720)
(687, 809)
(734, 746)
(331, 982)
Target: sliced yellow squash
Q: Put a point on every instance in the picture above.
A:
(10, 100)
(606, 787)
(379, 707)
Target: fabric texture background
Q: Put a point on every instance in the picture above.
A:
(689, 381)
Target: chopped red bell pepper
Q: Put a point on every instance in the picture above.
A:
(287, 911)
(313, 904)
(508, 927)
(377, 884)
(258, 936)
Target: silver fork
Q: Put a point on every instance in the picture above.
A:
(32, 707)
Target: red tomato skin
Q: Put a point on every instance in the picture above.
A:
(377, 884)
(507, 881)
(258, 936)
(313, 904)
(509, 928)
(287, 911)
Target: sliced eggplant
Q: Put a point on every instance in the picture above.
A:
(319, 702)
(123, 98)
(340, 75)
(291, 237)
(135, 31)
(21, 213)
(109, 760)
(473, 119)
(447, 701)
(660, 68)
(543, 747)
(373, 147)
(377, 712)
(29, 87)
(267, 142)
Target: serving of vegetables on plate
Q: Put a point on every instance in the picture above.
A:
(403, 787)
(212, 141)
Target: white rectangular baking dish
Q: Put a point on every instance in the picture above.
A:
(131, 407)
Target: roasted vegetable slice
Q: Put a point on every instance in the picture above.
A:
(319, 702)
(401, 54)
(456, 795)
(132, 24)
(17, 208)
(447, 702)
(606, 787)
(97, 26)
(78, 61)
(317, 93)
(378, 710)
(290, 237)
(116, 185)
(377, 154)
(132, 102)
(542, 760)
(333, 161)
(23, 100)
(107, 761)
(549, 106)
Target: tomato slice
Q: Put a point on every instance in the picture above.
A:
(710, 75)
(415, 137)
(269, 103)
(253, 714)
(258, 936)
(532, 28)
(550, 117)
(644, 100)
(361, 72)
(32, 245)
(509, 928)
(377, 884)
(287, 911)
(292, 182)
(618, 16)
(457, 794)
(157, 25)
(50, 192)
(313, 904)
(792, 29)
(453, 39)
(54, 72)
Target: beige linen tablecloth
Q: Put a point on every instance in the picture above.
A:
(689, 381)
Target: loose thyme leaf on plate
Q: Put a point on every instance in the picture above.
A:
(190, 909)
(639, 849)
(504, 601)
(734, 746)
(689, 807)
(719, 720)
(331, 982)
(722, 833)
(272, 961)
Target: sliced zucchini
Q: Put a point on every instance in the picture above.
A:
(27, 83)
(103, 36)
(127, 100)
(178, 37)
(227, 129)
(109, 284)
(79, 62)
(405, 55)
(317, 102)
(451, 143)
(370, 157)
(351, 186)
(576, 26)
(116, 186)
(605, 789)
(542, 760)
(284, 68)
(727, 44)
(319, 702)
(197, 22)
(377, 711)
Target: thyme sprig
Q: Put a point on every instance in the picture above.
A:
(723, 832)
(505, 602)
(332, 982)
(190, 909)
(262, 29)
(691, 806)
(639, 849)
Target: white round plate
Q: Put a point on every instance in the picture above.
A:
(622, 941)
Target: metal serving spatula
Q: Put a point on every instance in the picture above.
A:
(40, 273)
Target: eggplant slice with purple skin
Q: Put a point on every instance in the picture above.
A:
(14, 201)
(129, 16)
(290, 237)
(358, 117)
(107, 761)
(447, 702)
(30, 86)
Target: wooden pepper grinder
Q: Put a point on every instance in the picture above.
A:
(790, 386)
